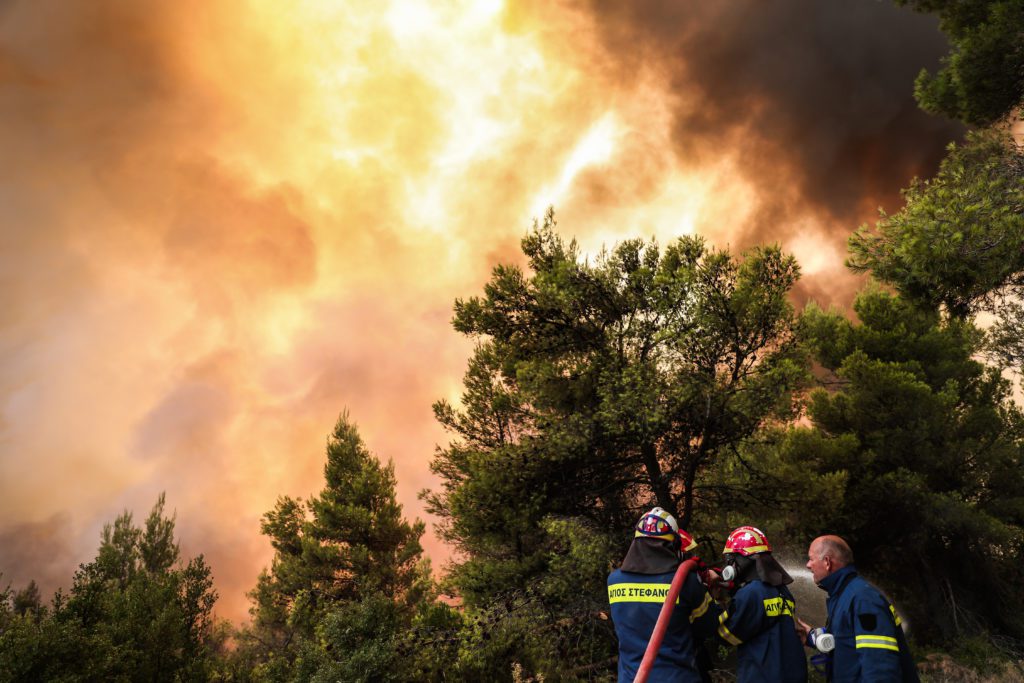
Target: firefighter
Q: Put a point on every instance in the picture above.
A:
(759, 620)
(636, 593)
(869, 642)
(710, 578)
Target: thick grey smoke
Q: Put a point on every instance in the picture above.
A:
(816, 95)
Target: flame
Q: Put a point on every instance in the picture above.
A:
(424, 95)
(595, 147)
(813, 253)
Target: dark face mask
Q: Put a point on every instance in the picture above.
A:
(742, 566)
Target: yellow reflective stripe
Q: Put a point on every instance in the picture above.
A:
(665, 537)
(638, 592)
(700, 611)
(895, 617)
(775, 607)
(755, 549)
(724, 632)
(879, 642)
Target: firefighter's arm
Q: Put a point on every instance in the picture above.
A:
(803, 631)
(703, 610)
(740, 621)
(878, 650)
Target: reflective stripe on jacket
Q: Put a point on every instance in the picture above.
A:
(870, 645)
(636, 601)
(759, 621)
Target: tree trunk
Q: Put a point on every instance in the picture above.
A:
(662, 492)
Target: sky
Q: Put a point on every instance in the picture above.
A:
(225, 222)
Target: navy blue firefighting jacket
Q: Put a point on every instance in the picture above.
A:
(870, 645)
(759, 621)
(636, 601)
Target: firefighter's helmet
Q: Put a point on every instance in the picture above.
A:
(747, 540)
(657, 523)
(686, 542)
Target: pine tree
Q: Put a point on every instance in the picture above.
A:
(346, 552)
(958, 243)
(982, 79)
(133, 613)
(926, 449)
(597, 389)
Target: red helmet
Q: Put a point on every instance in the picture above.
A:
(657, 523)
(686, 542)
(747, 540)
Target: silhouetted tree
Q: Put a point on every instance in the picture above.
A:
(926, 451)
(982, 79)
(597, 389)
(346, 580)
(133, 614)
(958, 244)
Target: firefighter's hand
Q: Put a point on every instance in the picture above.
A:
(715, 586)
(802, 629)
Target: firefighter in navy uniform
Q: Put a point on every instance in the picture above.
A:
(869, 643)
(759, 620)
(636, 593)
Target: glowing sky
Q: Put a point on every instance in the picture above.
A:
(224, 222)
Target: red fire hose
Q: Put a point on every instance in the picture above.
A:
(663, 618)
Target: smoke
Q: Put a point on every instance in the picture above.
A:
(41, 547)
(819, 91)
(224, 223)
(811, 102)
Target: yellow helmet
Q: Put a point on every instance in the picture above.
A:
(657, 523)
